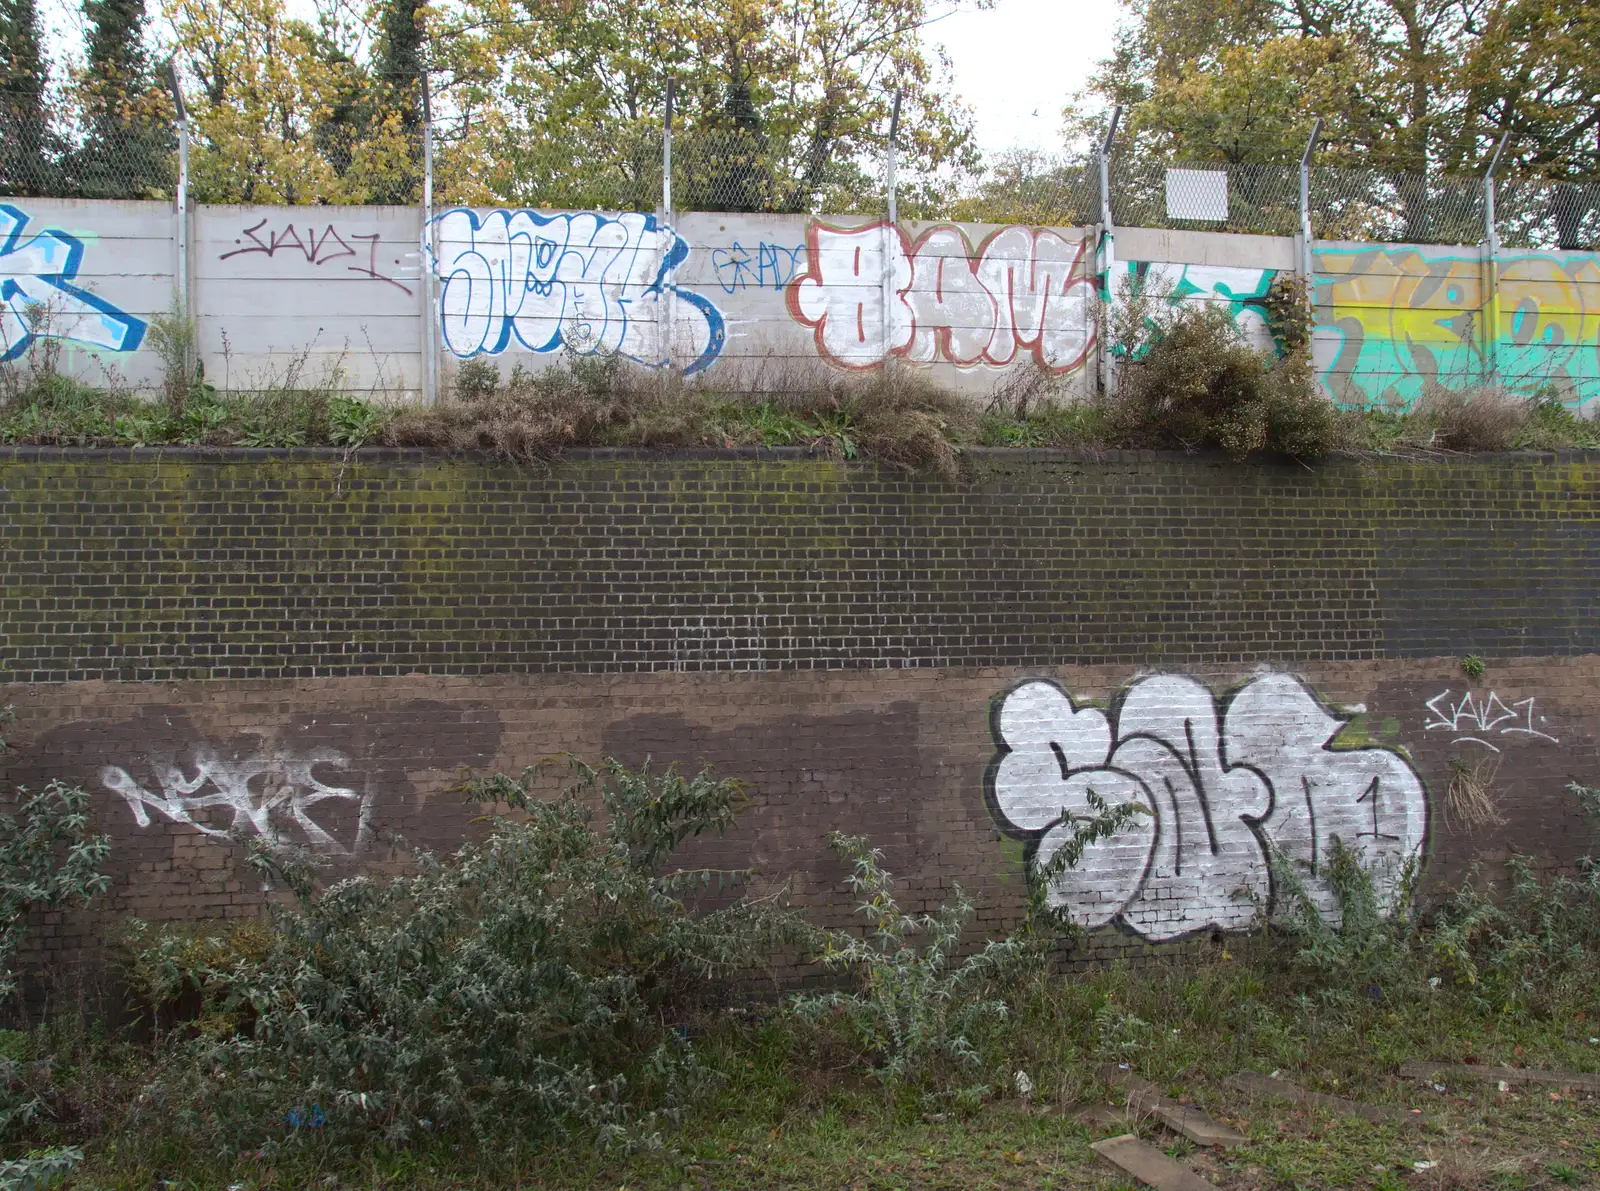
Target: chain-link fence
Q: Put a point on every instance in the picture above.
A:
(79, 146)
(1534, 213)
(741, 169)
(1257, 199)
(1032, 188)
(111, 151)
(1395, 207)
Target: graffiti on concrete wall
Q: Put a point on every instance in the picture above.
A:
(1404, 316)
(1242, 291)
(271, 793)
(1222, 782)
(1022, 290)
(770, 266)
(39, 297)
(587, 283)
(1472, 719)
(316, 245)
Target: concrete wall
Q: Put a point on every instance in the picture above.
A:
(286, 296)
(1263, 654)
(93, 275)
(306, 296)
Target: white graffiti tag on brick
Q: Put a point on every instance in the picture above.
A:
(1470, 719)
(266, 793)
(1219, 788)
(1022, 289)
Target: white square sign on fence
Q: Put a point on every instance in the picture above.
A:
(1197, 194)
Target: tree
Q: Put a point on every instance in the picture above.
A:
(397, 67)
(28, 148)
(279, 108)
(1405, 88)
(128, 150)
(564, 101)
(1400, 84)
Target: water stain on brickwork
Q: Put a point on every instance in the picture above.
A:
(860, 771)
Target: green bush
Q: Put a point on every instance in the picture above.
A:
(48, 859)
(1515, 950)
(1186, 378)
(1190, 381)
(1371, 946)
(527, 982)
(916, 1011)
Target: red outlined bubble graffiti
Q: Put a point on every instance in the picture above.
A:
(1021, 289)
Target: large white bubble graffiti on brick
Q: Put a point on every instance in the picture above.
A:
(1221, 784)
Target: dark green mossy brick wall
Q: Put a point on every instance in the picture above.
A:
(172, 565)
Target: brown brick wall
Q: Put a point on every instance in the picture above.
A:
(898, 755)
(197, 639)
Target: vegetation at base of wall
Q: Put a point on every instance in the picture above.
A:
(1183, 380)
(544, 1008)
(898, 416)
(532, 982)
(49, 860)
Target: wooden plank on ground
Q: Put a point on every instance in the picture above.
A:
(1149, 1165)
(1103, 1116)
(1282, 1089)
(1583, 1081)
(1194, 1123)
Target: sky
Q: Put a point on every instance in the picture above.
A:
(1018, 63)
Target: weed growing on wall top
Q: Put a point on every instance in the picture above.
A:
(1186, 379)
(1478, 418)
(532, 978)
(173, 337)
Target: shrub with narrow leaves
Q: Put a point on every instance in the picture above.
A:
(916, 1009)
(528, 981)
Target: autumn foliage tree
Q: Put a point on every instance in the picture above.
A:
(1402, 85)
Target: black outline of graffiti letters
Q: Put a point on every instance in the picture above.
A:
(1376, 801)
(311, 249)
(1486, 716)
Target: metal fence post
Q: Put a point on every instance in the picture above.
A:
(667, 308)
(1491, 269)
(430, 351)
(891, 229)
(1106, 251)
(1307, 232)
(181, 215)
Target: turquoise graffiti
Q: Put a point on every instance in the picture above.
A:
(39, 297)
(1242, 291)
(1397, 318)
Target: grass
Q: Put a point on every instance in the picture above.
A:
(795, 1108)
(897, 416)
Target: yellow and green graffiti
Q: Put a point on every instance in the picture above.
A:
(1390, 319)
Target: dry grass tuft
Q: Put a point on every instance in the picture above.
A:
(531, 415)
(1485, 418)
(1469, 799)
(897, 416)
